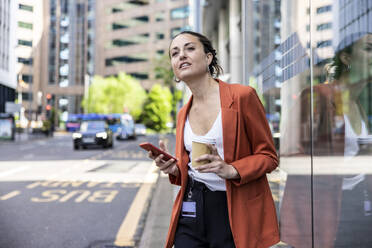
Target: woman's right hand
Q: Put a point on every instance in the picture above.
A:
(167, 167)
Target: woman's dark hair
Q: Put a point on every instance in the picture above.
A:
(214, 68)
(338, 65)
(345, 46)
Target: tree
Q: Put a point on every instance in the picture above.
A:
(163, 70)
(157, 108)
(114, 95)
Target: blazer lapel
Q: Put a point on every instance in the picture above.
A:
(229, 122)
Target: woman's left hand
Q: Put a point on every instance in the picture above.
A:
(216, 165)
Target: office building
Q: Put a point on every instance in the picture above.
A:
(8, 81)
(130, 35)
(69, 39)
(29, 32)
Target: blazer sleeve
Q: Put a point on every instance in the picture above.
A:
(263, 158)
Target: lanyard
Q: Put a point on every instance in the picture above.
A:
(189, 194)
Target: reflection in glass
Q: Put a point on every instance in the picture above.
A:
(315, 85)
(342, 136)
(341, 145)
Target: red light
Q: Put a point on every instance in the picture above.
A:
(49, 96)
(48, 107)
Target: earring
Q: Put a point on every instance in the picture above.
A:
(176, 79)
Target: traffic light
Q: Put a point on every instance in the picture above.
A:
(49, 104)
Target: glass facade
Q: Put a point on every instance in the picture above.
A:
(316, 86)
(180, 13)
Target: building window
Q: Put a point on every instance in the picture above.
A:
(25, 25)
(125, 60)
(160, 36)
(324, 26)
(307, 27)
(25, 43)
(27, 96)
(116, 26)
(324, 9)
(257, 24)
(27, 78)
(257, 58)
(175, 31)
(52, 77)
(121, 43)
(116, 10)
(257, 41)
(126, 5)
(25, 61)
(324, 43)
(160, 16)
(133, 40)
(180, 13)
(142, 18)
(140, 76)
(26, 7)
(136, 21)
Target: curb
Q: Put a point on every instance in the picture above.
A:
(158, 217)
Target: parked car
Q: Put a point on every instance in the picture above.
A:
(95, 132)
(140, 129)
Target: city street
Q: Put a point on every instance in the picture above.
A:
(54, 196)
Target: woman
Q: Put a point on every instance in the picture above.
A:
(339, 210)
(226, 202)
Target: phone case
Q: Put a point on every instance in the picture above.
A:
(156, 151)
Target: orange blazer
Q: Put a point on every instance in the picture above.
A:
(248, 146)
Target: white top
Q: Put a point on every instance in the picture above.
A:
(211, 180)
(351, 138)
(352, 149)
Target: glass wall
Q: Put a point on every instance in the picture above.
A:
(314, 76)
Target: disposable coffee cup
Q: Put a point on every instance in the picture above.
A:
(200, 147)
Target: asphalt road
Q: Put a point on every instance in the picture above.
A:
(54, 196)
(60, 148)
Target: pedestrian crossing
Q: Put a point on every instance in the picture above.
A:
(129, 171)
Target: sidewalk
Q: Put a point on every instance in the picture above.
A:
(24, 136)
(158, 216)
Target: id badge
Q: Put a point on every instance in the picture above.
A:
(189, 209)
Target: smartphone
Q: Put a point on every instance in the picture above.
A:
(156, 151)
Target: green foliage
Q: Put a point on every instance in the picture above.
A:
(114, 95)
(163, 70)
(157, 108)
(177, 97)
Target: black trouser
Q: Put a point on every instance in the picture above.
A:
(210, 228)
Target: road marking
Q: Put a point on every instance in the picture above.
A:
(10, 195)
(126, 232)
(77, 170)
(15, 170)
